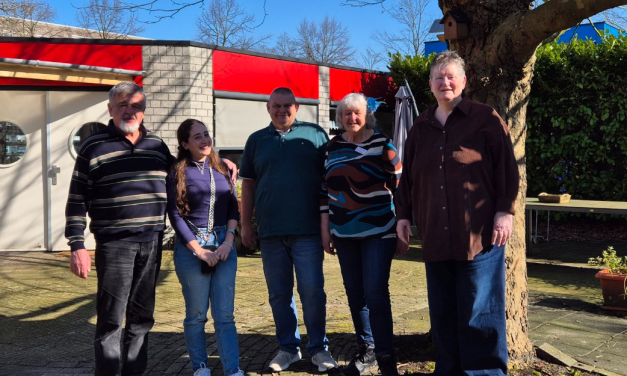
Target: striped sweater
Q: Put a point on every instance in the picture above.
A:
(358, 187)
(122, 186)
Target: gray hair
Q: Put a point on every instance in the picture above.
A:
(355, 100)
(445, 58)
(126, 88)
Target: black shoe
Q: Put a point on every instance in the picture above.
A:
(387, 365)
(364, 359)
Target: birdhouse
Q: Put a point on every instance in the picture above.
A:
(455, 25)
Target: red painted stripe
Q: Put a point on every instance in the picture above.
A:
(371, 85)
(110, 56)
(260, 75)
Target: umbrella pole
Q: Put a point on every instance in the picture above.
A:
(413, 100)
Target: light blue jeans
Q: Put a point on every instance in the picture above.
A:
(201, 289)
(281, 256)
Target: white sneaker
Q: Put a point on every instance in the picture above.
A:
(324, 361)
(202, 371)
(283, 359)
(238, 373)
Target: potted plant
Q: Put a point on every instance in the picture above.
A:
(613, 279)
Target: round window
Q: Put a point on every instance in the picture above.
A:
(81, 133)
(12, 143)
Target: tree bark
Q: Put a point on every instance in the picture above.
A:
(500, 56)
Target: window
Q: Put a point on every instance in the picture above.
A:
(80, 135)
(234, 155)
(13, 143)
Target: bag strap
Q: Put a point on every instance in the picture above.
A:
(212, 202)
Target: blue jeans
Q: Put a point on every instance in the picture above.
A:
(201, 289)
(467, 310)
(365, 265)
(127, 276)
(281, 256)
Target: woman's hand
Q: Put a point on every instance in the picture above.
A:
(502, 228)
(403, 232)
(223, 251)
(327, 242)
(208, 256)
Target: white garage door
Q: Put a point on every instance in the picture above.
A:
(39, 132)
(236, 119)
(22, 133)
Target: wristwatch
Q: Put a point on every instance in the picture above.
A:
(231, 230)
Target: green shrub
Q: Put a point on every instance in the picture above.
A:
(416, 70)
(576, 118)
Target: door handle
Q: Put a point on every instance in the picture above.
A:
(54, 171)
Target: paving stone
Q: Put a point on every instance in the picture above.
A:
(553, 355)
(48, 313)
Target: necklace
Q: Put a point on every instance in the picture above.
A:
(201, 167)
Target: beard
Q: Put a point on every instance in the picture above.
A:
(127, 128)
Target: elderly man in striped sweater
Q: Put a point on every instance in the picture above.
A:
(119, 179)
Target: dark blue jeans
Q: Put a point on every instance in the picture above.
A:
(467, 310)
(127, 277)
(365, 265)
(282, 257)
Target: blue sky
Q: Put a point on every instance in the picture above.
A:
(283, 16)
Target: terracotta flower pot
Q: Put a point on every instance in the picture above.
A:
(614, 287)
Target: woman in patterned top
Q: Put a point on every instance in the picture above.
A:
(358, 222)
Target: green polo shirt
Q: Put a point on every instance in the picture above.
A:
(287, 170)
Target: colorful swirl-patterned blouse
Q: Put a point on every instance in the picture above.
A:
(358, 187)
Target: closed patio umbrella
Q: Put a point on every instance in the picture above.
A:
(403, 119)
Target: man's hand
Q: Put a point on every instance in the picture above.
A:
(249, 239)
(80, 263)
(502, 228)
(327, 242)
(233, 168)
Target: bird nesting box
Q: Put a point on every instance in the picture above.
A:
(455, 25)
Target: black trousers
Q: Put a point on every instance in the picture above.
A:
(127, 278)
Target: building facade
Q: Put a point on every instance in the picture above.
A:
(54, 94)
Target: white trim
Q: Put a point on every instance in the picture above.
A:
(47, 181)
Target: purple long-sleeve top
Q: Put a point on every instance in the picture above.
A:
(198, 196)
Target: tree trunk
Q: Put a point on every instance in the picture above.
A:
(504, 82)
(506, 88)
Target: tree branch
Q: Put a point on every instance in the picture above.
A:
(529, 29)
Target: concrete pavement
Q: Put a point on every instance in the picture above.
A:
(47, 316)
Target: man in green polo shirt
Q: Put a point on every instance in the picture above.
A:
(282, 168)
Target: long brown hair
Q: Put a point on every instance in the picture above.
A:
(184, 159)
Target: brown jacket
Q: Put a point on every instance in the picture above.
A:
(456, 177)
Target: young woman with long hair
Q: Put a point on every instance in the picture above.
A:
(213, 284)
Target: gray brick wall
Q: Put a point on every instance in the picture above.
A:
(324, 90)
(178, 84)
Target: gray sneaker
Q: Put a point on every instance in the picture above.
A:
(202, 371)
(324, 361)
(282, 360)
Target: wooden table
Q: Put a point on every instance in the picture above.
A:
(573, 206)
